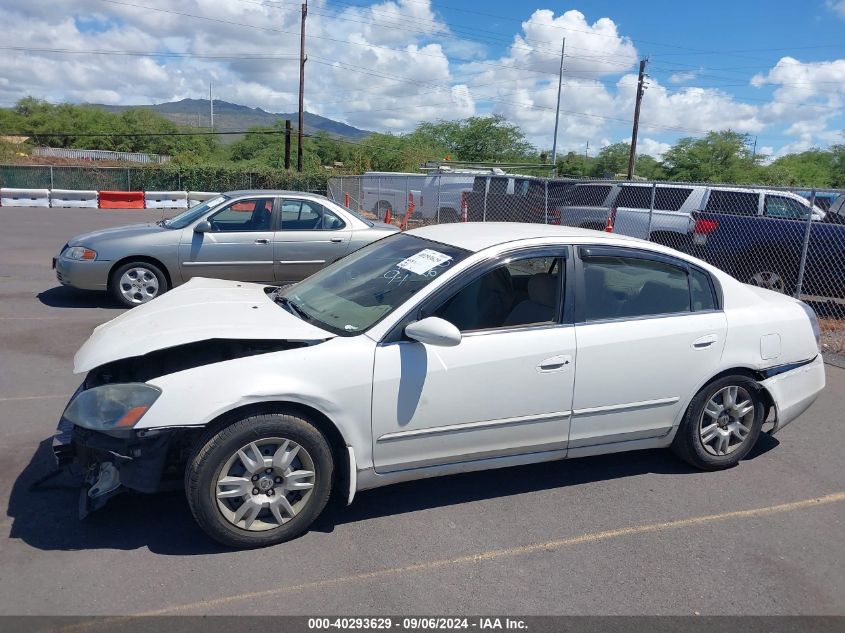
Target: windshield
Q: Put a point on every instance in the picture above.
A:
(356, 292)
(186, 217)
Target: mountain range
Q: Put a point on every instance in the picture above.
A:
(232, 117)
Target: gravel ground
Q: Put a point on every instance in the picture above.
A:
(833, 335)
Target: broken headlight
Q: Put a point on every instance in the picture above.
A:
(112, 407)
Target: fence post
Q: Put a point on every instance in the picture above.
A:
(360, 197)
(651, 210)
(439, 180)
(179, 181)
(484, 209)
(546, 201)
(805, 247)
(51, 177)
(378, 200)
(128, 180)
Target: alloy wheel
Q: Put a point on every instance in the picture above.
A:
(265, 484)
(727, 420)
(138, 285)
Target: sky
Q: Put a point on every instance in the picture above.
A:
(774, 69)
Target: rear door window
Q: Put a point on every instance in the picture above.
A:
(733, 202)
(634, 198)
(588, 195)
(630, 287)
(670, 198)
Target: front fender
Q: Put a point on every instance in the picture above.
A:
(333, 377)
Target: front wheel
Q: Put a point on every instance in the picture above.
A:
(721, 425)
(135, 283)
(260, 481)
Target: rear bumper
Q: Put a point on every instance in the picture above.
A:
(794, 391)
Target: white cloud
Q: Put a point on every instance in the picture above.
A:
(393, 63)
(652, 147)
(837, 6)
(684, 77)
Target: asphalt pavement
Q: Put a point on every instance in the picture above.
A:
(636, 533)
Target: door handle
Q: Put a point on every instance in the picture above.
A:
(705, 341)
(555, 363)
(262, 241)
(336, 240)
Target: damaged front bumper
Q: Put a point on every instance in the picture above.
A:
(107, 464)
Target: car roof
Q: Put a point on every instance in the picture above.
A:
(271, 192)
(477, 236)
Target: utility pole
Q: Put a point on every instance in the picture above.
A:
(302, 59)
(557, 109)
(754, 151)
(640, 89)
(211, 105)
(287, 144)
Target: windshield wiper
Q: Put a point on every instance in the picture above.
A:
(292, 307)
(161, 222)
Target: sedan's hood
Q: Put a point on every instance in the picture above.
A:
(117, 233)
(201, 309)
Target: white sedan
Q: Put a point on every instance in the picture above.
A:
(442, 350)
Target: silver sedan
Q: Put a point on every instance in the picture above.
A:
(263, 236)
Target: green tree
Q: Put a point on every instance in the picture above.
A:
(612, 160)
(575, 164)
(718, 157)
(482, 139)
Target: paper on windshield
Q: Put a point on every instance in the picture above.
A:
(423, 261)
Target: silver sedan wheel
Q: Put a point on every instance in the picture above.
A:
(265, 484)
(138, 285)
(769, 280)
(726, 420)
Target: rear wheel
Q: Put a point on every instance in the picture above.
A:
(138, 282)
(771, 278)
(721, 425)
(261, 481)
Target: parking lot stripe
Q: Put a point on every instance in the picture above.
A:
(16, 398)
(511, 551)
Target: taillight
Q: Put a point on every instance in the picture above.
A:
(705, 227)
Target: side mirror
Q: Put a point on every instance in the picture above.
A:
(434, 331)
(202, 227)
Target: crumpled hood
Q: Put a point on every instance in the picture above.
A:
(199, 310)
(116, 233)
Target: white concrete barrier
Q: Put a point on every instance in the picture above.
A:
(73, 199)
(195, 197)
(24, 197)
(166, 199)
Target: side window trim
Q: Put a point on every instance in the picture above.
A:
(587, 251)
(564, 252)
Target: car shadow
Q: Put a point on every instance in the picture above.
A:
(432, 493)
(64, 297)
(45, 516)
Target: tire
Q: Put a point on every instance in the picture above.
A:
(691, 442)
(288, 504)
(771, 277)
(127, 287)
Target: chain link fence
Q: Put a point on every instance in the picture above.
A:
(200, 178)
(788, 240)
